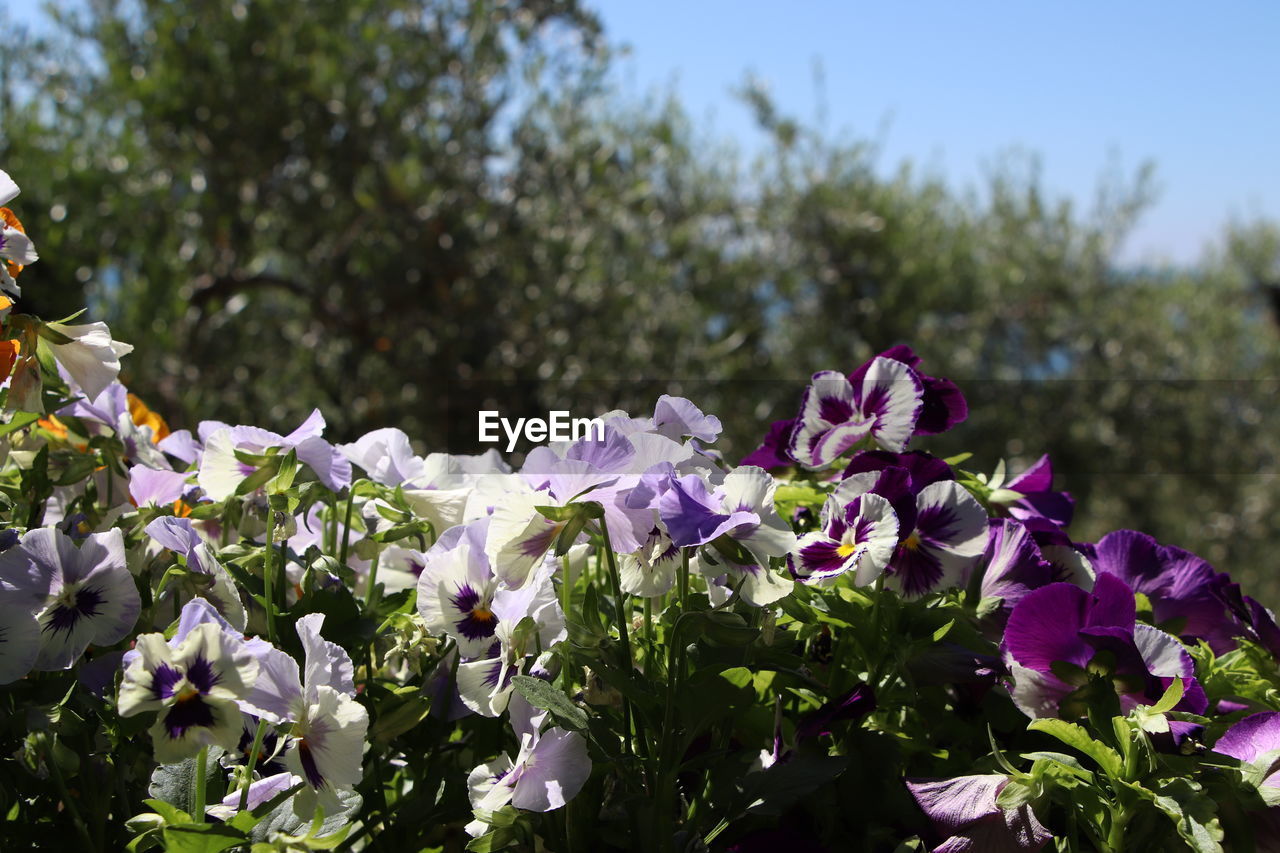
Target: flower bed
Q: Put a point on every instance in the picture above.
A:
(234, 638)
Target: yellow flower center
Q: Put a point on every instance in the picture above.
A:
(482, 614)
(846, 549)
(912, 542)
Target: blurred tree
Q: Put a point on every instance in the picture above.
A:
(402, 211)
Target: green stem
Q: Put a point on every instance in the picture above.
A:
(76, 817)
(648, 634)
(371, 592)
(624, 635)
(346, 529)
(253, 761)
(202, 772)
(684, 580)
(269, 578)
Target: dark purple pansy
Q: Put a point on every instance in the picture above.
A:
(964, 813)
(1039, 500)
(854, 705)
(1012, 565)
(772, 452)
(1256, 622)
(1059, 637)
(1249, 740)
(922, 468)
(1183, 589)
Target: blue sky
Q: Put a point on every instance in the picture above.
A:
(1194, 87)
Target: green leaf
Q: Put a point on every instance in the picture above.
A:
(1078, 738)
(175, 783)
(202, 838)
(544, 696)
(18, 421)
(1172, 696)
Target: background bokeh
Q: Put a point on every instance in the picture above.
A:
(403, 211)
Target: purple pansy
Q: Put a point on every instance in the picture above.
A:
(1182, 588)
(179, 536)
(963, 811)
(773, 451)
(1037, 497)
(1059, 634)
(1012, 564)
(1257, 737)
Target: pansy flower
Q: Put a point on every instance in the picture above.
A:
(91, 357)
(1255, 738)
(1181, 587)
(836, 413)
(1012, 565)
(179, 536)
(942, 404)
(222, 472)
(1031, 495)
(741, 509)
(963, 811)
(942, 529)
(195, 687)
(550, 769)
(456, 589)
(1060, 639)
(484, 684)
(857, 536)
(83, 594)
(650, 571)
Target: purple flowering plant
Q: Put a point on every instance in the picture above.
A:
(237, 638)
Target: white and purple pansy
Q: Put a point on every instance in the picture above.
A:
(857, 536)
(942, 404)
(195, 685)
(942, 529)
(484, 683)
(741, 508)
(650, 571)
(455, 597)
(79, 595)
(549, 770)
(1060, 639)
(836, 413)
(221, 472)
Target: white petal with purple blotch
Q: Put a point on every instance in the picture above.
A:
(456, 598)
(328, 748)
(892, 395)
(829, 421)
